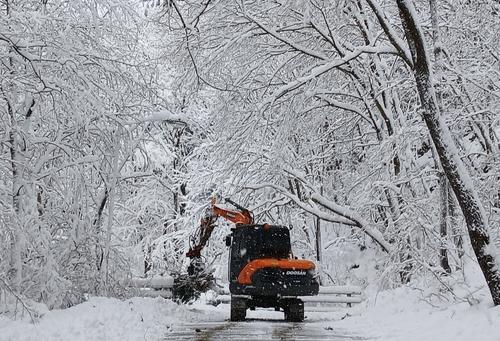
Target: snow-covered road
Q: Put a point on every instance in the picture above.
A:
(262, 325)
(257, 330)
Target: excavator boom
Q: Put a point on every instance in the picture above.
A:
(242, 216)
(237, 217)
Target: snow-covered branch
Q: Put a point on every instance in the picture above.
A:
(341, 215)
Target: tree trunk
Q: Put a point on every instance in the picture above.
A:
(443, 183)
(109, 227)
(21, 190)
(15, 271)
(453, 222)
(443, 225)
(319, 250)
(453, 167)
(318, 240)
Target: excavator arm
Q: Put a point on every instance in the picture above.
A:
(242, 216)
(198, 278)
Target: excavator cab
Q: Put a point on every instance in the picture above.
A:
(253, 242)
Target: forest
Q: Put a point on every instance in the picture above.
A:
(370, 127)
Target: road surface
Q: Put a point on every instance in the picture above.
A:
(259, 327)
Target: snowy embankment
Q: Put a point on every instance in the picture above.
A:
(104, 319)
(402, 315)
(393, 315)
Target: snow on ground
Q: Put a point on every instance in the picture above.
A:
(401, 314)
(393, 315)
(104, 319)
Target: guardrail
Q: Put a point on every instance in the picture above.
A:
(156, 286)
(337, 294)
(155, 282)
(161, 286)
(348, 294)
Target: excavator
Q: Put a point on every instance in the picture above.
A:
(262, 270)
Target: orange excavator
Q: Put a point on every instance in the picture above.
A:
(262, 270)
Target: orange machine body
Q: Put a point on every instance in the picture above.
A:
(245, 276)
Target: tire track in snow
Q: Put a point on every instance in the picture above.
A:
(257, 329)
